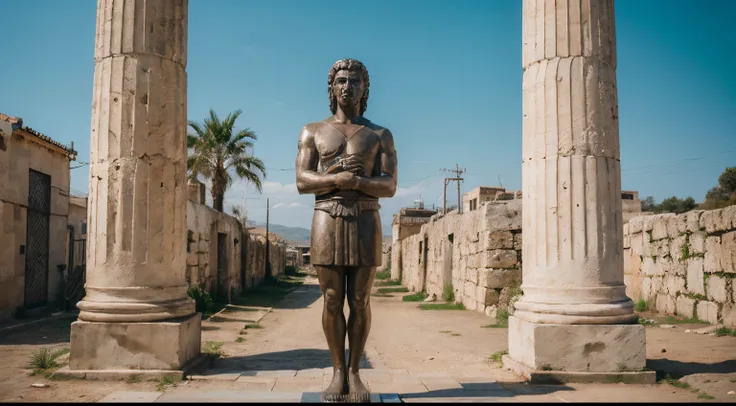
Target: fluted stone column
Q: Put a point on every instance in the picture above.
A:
(136, 314)
(574, 315)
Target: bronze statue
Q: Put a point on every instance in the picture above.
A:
(347, 162)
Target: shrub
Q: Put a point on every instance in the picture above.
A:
(202, 298)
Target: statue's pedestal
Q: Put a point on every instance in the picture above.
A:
(103, 350)
(559, 353)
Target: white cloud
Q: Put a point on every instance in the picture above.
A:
(292, 205)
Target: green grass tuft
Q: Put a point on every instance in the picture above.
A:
(674, 382)
(441, 306)
(725, 331)
(641, 305)
(45, 358)
(415, 297)
(399, 289)
(496, 356)
(448, 293)
(212, 348)
(385, 274)
(387, 283)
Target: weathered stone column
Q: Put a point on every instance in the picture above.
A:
(574, 315)
(136, 314)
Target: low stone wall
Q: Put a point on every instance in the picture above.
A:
(685, 264)
(477, 252)
(255, 265)
(211, 233)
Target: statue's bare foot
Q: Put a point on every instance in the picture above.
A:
(335, 392)
(358, 392)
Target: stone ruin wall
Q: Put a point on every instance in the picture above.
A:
(482, 261)
(203, 224)
(685, 264)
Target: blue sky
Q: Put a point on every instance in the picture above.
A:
(445, 78)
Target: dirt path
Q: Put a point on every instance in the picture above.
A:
(401, 337)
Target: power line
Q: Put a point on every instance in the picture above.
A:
(637, 168)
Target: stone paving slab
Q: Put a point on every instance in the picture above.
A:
(205, 396)
(271, 374)
(131, 397)
(256, 383)
(303, 384)
(215, 375)
(313, 372)
(440, 383)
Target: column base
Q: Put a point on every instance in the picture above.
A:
(171, 346)
(560, 353)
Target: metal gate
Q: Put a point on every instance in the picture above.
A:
(37, 239)
(76, 271)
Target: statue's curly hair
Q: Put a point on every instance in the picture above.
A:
(350, 65)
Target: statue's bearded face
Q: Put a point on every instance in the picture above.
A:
(348, 88)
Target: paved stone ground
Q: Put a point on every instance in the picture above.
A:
(423, 356)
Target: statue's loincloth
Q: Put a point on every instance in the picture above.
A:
(346, 231)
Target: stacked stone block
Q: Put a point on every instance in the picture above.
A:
(477, 252)
(685, 264)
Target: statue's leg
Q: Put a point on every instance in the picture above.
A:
(332, 283)
(359, 281)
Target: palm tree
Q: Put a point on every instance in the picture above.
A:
(215, 151)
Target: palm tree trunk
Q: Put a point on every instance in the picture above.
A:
(218, 202)
(218, 192)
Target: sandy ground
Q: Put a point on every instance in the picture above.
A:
(402, 338)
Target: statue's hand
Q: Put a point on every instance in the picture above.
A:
(352, 164)
(346, 181)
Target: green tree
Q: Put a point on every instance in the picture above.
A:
(648, 204)
(216, 151)
(723, 194)
(727, 180)
(675, 205)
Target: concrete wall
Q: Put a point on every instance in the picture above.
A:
(16, 160)
(244, 264)
(481, 195)
(684, 264)
(478, 252)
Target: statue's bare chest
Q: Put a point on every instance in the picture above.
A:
(333, 140)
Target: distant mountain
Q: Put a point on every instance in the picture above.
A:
(288, 233)
(295, 233)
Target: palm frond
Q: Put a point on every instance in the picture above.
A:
(218, 152)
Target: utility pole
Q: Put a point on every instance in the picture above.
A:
(457, 171)
(268, 258)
